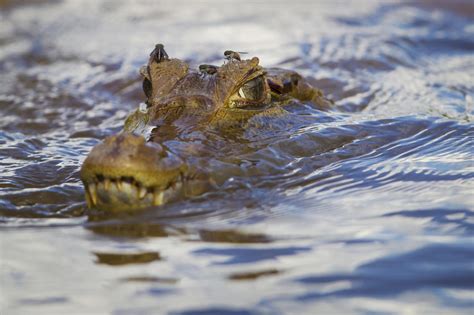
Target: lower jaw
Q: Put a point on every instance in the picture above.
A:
(120, 197)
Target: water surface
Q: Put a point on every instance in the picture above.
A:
(377, 217)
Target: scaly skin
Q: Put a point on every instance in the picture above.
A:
(175, 148)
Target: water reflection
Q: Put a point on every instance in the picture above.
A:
(433, 266)
(133, 230)
(253, 275)
(460, 221)
(230, 236)
(115, 259)
(215, 311)
(374, 216)
(240, 256)
(151, 279)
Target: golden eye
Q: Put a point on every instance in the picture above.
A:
(252, 94)
(253, 90)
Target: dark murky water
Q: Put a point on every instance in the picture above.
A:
(377, 219)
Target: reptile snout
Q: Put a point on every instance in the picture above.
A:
(124, 171)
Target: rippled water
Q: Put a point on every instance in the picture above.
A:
(377, 217)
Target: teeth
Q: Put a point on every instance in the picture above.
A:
(141, 192)
(106, 184)
(124, 189)
(158, 198)
(92, 188)
(88, 200)
(119, 185)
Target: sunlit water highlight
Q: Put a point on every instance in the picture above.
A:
(375, 219)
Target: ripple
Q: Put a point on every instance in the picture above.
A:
(367, 208)
(411, 270)
(248, 255)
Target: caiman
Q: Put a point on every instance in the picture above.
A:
(187, 137)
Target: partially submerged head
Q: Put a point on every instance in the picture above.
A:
(166, 150)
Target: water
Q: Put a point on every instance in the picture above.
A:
(376, 219)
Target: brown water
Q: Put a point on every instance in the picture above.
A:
(376, 217)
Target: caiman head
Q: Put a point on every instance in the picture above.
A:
(172, 146)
